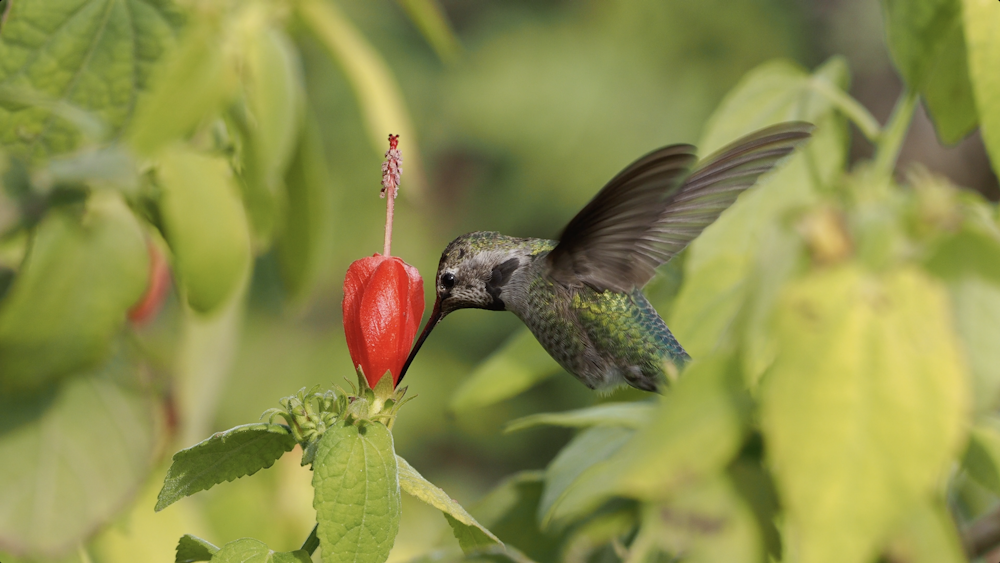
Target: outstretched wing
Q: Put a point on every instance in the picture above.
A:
(651, 210)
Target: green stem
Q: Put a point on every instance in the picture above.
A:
(850, 107)
(312, 542)
(894, 133)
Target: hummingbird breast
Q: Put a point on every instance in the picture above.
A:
(605, 338)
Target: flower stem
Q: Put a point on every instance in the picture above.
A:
(894, 133)
(387, 246)
(392, 168)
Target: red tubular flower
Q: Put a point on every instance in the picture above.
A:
(383, 304)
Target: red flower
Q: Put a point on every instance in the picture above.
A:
(159, 282)
(383, 303)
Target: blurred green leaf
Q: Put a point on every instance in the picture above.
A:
(707, 522)
(471, 535)
(927, 43)
(696, 431)
(983, 44)
(225, 456)
(248, 550)
(969, 263)
(357, 493)
(774, 92)
(188, 88)
(107, 167)
(583, 541)
(303, 241)
(374, 87)
(205, 225)
(73, 456)
(515, 367)
(433, 24)
(719, 280)
(275, 99)
(982, 456)
(590, 447)
(928, 535)
(191, 548)
(70, 297)
(94, 54)
(510, 511)
(862, 409)
(628, 415)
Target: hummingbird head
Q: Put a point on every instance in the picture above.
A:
(473, 272)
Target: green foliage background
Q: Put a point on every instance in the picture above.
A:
(843, 315)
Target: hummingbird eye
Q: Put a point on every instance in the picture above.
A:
(448, 280)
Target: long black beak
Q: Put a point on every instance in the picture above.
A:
(431, 323)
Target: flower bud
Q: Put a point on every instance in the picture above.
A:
(383, 304)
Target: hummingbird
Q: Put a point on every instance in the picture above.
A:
(581, 296)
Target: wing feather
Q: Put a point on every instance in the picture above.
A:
(657, 205)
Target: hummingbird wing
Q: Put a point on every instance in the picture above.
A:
(654, 207)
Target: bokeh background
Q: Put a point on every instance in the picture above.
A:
(517, 128)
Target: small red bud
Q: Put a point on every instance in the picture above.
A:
(159, 282)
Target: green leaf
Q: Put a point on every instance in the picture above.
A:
(982, 457)
(628, 415)
(510, 512)
(357, 493)
(695, 433)
(729, 266)
(192, 548)
(471, 535)
(376, 90)
(706, 522)
(983, 44)
(74, 455)
(94, 54)
(969, 263)
(433, 24)
(774, 92)
(863, 408)
(515, 367)
(190, 87)
(927, 44)
(205, 225)
(928, 535)
(248, 550)
(225, 456)
(72, 293)
(307, 226)
(589, 448)
(275, 98)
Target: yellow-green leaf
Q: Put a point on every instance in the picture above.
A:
(188, 88)
(471, 535)
(863, 408)
(375, 88)
(275, 99)
(74, 454)
(982, 20)
(72, 293)
(205, 224)
(927, 43)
